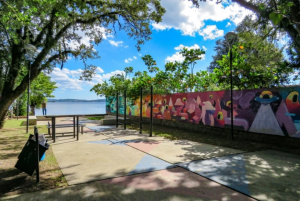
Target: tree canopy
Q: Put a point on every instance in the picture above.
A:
(257, 62)
(283, 14)
(175, 78)
(55, 29)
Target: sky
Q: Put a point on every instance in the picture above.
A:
(181, 26)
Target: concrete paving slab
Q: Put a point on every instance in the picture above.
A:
(178, 151)
(264, 175)
(139, 138)
(174, 184)
(94, 160)
(99, 128)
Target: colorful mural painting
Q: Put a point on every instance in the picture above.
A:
(269, 111)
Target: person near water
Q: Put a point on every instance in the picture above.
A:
(44, 108)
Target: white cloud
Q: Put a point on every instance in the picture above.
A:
(203, 47)
(126, 46)
(180, 47)
(86, 40)
(69, 79)
(178, 57)
(134, 57)
(140, 54)
(190, 20)
(115, 43)
(211, 32)
(128, 60)
(108, 75)
(228, 24)
(65, 79)
(99, 70)
(175, 57)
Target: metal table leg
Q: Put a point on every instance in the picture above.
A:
(74, 125)
(53, 129)
(77, 127)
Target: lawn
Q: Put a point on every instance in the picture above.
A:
(95, 118)
(12, 139)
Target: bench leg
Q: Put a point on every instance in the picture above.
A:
(81, 130)
(49, 133)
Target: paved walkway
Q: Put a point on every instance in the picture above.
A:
(115, 164)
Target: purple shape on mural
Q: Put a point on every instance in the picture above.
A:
(238, 122)
(284, 119)
(266, 122)
(244, 102)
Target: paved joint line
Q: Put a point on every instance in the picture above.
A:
(220, 183)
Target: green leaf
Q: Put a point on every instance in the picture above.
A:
(276, 18)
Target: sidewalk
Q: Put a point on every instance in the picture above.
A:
(115, 164)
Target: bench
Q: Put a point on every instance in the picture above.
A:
(32, 120)
(49, 126)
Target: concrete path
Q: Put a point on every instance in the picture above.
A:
(174, 184)
(182, 150)
(265, 175)
(115, 164)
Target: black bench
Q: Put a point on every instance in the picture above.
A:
(49, 126)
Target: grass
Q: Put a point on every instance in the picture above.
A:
(12, 139)
(95, 118)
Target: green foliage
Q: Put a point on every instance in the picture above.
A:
(286, 21)
(55, 28)
(95, 118)
(151, 63)
(190, 57)
(174, 79)
(41, 89)
(256, 62)
(128, 70)
(275, 18)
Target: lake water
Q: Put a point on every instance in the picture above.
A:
(64, 108)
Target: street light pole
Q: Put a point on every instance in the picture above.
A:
(231, 37)
(28, 91)
(231, 89)
(30, 49)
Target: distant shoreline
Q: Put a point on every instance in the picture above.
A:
(75, 100)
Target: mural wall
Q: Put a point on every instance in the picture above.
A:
(268, 111)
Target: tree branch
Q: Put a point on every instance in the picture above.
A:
(45, 28)
(248, 5)
(8, 39)
(54, 57)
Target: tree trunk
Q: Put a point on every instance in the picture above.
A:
(4, 105)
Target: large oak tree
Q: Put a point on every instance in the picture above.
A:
(55, 28)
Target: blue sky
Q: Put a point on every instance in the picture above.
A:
(182, 26)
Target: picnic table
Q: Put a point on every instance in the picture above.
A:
(75, 123)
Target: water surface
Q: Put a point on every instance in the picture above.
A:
(65, 108)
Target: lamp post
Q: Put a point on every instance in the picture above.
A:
(119, 76)
(30, 49)
(231, 37)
